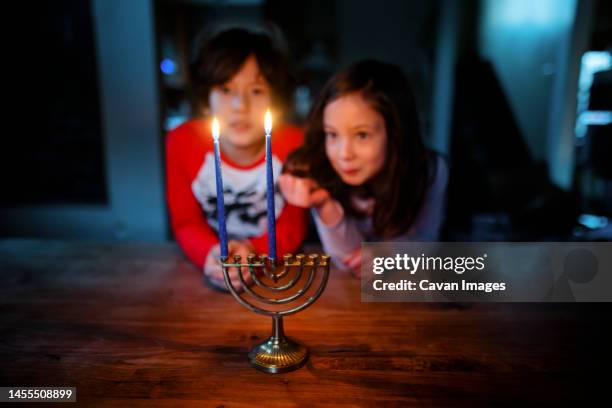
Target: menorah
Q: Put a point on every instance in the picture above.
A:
(278, 354)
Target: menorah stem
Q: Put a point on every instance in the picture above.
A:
(278, 332)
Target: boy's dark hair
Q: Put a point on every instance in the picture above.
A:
(219, 57)
(399, 188)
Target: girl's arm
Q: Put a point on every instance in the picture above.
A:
(339, 234)
(339, 239)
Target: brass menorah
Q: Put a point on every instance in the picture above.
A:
(278, 354)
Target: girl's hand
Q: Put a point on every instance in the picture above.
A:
(306, 193)
(212, 265)
(353, 262)
(302, 192)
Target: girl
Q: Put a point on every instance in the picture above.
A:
(237, 75)
(368, 173)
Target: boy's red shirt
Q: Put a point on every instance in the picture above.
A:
(191, 193)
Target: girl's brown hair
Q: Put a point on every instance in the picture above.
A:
(399, 188)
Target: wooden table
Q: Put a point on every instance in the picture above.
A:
(132, 325)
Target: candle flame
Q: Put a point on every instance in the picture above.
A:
(268, 122)
(215, 129)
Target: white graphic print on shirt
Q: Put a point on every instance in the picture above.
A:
(244, 194)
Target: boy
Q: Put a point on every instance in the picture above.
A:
(237, 75)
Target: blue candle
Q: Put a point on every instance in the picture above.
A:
(220, 201)
(270, 188)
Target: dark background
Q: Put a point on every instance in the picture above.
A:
(509, 91)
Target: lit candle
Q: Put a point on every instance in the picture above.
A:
(270, 187)
(220, 200)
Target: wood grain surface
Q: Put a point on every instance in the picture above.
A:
(133, 325)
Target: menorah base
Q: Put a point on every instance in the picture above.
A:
(278, 354)
(274, 356)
